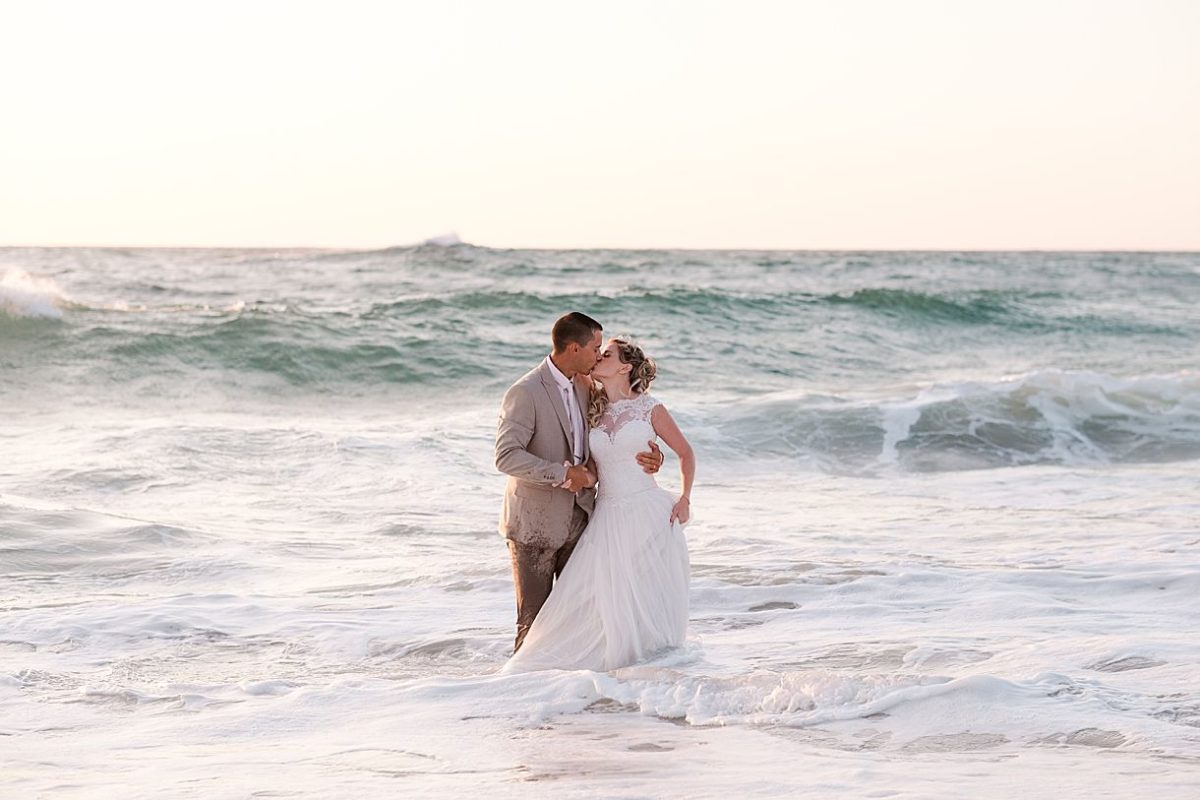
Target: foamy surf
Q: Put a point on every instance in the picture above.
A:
(23, 295)
(1049, 708)
(1043, 417)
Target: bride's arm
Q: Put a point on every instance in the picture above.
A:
(666, 428)
(593, 475)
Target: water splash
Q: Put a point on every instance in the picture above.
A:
(23, 295)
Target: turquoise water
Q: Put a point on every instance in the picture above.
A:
(1011, 358)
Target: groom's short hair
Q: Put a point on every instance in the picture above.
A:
(574, 327)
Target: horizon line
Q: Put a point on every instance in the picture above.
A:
(427, 244)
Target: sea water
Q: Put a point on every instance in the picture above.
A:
(946, 532)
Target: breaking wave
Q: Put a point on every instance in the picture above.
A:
(1045, 417)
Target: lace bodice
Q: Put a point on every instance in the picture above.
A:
(620, 434)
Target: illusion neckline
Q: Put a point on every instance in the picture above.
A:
(629, 399)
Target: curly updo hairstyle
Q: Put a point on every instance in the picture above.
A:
(640, 377)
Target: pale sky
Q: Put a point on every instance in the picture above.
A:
(855, 124)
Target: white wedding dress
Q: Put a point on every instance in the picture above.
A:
(623, 595)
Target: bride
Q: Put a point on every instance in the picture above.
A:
(624, 593)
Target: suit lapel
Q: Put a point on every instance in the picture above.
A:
(552, 391)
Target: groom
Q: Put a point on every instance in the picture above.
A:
(542, 445)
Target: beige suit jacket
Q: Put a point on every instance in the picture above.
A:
(533, 439)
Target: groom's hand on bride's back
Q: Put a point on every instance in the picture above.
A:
(651, 460)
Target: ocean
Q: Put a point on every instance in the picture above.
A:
(945, 536)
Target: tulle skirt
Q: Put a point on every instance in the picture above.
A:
(622, 597)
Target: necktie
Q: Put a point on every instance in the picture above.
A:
(573, 416)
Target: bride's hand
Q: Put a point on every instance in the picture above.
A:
(682, 511)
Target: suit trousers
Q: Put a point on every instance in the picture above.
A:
(535, 569)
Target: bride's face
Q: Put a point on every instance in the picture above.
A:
(610, 363)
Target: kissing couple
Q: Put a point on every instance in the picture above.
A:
(582, 512)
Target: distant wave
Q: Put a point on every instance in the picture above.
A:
(302, 351)
(701, 300)
(1045, 417)
(448, 241)
(885, 308)
(24, 295)
(882, 308)
(979, 306)
(445, 240)
(416, 338)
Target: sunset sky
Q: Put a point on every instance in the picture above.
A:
(859, 124)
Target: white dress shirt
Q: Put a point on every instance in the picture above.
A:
(567, 392)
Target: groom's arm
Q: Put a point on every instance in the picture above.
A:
(513, 433)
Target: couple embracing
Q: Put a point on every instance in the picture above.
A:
(582, 513)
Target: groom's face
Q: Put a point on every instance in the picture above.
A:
(589, 353)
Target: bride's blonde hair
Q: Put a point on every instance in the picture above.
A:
(640, 377)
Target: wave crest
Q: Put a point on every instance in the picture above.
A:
(976, 307)
(26, 296)
(1044, 417)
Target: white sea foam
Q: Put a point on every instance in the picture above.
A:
(1029, 711)
(24, 295)
(1045, 416)
(445, 240)
(969, 617)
